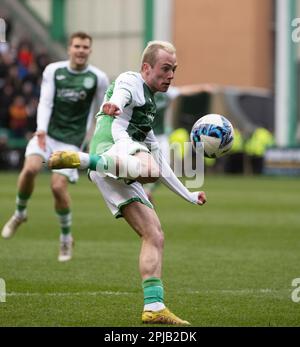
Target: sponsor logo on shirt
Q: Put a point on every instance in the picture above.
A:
(71, 94)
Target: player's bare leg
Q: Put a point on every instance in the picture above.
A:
(140, 167)
(62, 201)
(145, 222)
(26, 182)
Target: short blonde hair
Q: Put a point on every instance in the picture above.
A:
(150, 52)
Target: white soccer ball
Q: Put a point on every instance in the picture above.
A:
(215, 133)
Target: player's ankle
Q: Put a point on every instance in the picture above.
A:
(84, 160)
(22, 214)
(154, 306)
(94, 161)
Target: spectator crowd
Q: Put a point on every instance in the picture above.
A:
(21, 68)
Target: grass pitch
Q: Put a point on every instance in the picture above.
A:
(228, 263)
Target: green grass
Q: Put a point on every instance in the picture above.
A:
(228, 263)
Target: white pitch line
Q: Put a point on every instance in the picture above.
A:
(239, 291)
(68, 293)
(246, 291)
(262, 292)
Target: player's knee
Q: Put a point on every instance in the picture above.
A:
(150, 171)
(160, 239)
(58, 188)
(32, 165)
(128, 166)
(142, 168)
(30, 171)
(157, 237)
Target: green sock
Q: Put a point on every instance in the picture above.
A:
(65, 220)
(101, 163)
(153, 290)
(21, 201)
(95, 160)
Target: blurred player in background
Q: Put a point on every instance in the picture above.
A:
(124, 154)
(71, 94)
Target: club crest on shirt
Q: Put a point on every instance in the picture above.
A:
(88, 82)
(150, 116)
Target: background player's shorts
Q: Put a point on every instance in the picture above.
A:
(117, 193)
(53, 145)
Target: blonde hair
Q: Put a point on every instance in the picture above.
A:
(150, 52)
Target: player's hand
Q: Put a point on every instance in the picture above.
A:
(201, 198)
(111, 109)
(41, 138)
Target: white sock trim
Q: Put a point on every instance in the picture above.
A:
(84, 160)
(65, 237)
(154, 306)
(21, 214)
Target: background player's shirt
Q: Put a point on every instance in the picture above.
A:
(69, 99)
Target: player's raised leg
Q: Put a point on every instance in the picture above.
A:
(146, 223)
(26, 181)
(140, 167)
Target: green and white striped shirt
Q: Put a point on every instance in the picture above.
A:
(138, 110)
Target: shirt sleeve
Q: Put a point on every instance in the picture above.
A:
(151, 141)
(121, 97)
(170, 180)
(127, 91)
(45, 106)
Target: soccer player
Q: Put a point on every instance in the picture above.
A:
(71, 94)
(124, 154)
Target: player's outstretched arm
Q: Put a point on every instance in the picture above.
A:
(169, 179)
(200, 197)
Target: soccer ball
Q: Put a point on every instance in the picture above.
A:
(216, 134)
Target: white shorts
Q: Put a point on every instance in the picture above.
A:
(118, 194)
(53, 145)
